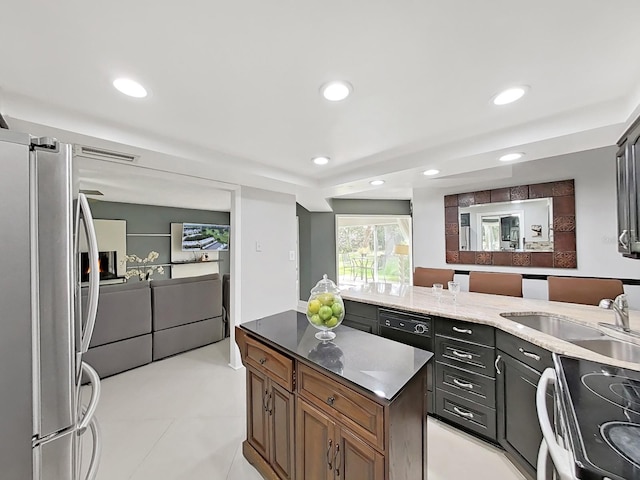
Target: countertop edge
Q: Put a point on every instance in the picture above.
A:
(489, 315)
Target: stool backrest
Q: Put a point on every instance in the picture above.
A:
(426, 277)
(587, 291)
(509, 284)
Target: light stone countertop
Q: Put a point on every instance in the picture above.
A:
(486, 309)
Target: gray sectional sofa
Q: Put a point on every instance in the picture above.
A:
(187, 313)
(139, 322)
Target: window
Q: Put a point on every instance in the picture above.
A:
(373, 248)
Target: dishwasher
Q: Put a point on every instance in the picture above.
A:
(410, 329)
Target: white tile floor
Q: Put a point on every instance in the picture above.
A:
(183, 418)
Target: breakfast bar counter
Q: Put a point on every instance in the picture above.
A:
(486, 309)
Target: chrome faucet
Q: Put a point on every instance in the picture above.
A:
(621, 306)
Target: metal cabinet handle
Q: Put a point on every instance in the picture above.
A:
(262, 361)
(329, 455)
(462, 330)
(621, 238)
(529, 354)
(496, 364)
(463, 413)
(462, 355)
(330, 400)
(336, 460)
(463, 384)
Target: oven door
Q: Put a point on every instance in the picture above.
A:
(554, 443)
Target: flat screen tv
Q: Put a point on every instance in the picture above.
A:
(198, 237)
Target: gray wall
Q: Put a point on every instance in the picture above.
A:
(317, 235)
(146, 219)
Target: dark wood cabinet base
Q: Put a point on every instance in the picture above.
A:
(259, 463)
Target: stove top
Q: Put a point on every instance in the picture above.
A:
(604, 417)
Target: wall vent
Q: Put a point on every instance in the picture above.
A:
(102, 154)
(92, 192)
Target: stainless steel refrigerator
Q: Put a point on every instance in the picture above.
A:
(43, 332)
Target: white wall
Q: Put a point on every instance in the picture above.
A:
(596, 220)
(264, 282)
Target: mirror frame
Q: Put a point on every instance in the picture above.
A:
(564, 253)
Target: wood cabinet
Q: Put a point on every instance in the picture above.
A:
(516, 383)
(465, 375)
(326, 449)
(326, 428)
(628, 190)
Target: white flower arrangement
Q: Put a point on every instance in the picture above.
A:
(143, 267)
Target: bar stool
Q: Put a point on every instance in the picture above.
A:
(426, 277)
(587, 291)
(509, 284)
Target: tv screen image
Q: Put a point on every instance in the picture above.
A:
(204, 237)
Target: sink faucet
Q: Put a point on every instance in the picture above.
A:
(621, 306)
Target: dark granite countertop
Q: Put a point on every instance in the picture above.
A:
(378, 365)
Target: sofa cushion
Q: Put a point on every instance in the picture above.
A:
(187, 337)
(119, 356)
(180, 301)
(124, 311)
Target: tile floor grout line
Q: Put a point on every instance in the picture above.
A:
(235, 455)
(133, 472)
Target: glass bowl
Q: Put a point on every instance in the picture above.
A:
(325, 308)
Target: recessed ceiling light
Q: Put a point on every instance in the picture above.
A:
(376, 183)
(130, 87)
(320, 160)
(511, 156)
(510, 95)
(336, 91)
(430, 172)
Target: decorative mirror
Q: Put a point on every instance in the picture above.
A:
(523, 226)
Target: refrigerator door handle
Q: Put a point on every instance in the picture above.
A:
(96, 454)
(94, 272)
(94, 379)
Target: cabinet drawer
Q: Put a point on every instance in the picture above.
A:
(469, 356)
(474, 387)
(369, 325)
(272, 363)
(470, 415)
(469, 332)
(361, 414)
(361, 310)
(532, 355)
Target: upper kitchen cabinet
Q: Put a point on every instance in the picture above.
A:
(628, 185)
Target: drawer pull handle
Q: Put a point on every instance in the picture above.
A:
(330, 400)
(496, 364)
(463, 384)
(462, 355)
(529, 354)
(329, 455)
(262, 361)
(463, 413)
(462, 330)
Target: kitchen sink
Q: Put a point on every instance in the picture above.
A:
(556, 326)
(617, 349)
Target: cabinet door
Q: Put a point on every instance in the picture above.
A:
(257, 415)
(314, 443)
(518, 428)
(355, 460)
(281, 421)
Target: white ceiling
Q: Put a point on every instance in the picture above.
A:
(234, 86)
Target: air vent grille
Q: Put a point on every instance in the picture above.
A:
(92, 192)
(102, 154)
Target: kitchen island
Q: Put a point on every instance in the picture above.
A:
(352, 408)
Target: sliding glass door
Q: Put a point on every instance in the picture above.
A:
(373, 249)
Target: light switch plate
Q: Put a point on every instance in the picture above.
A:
(258, 247)
(292, 255)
